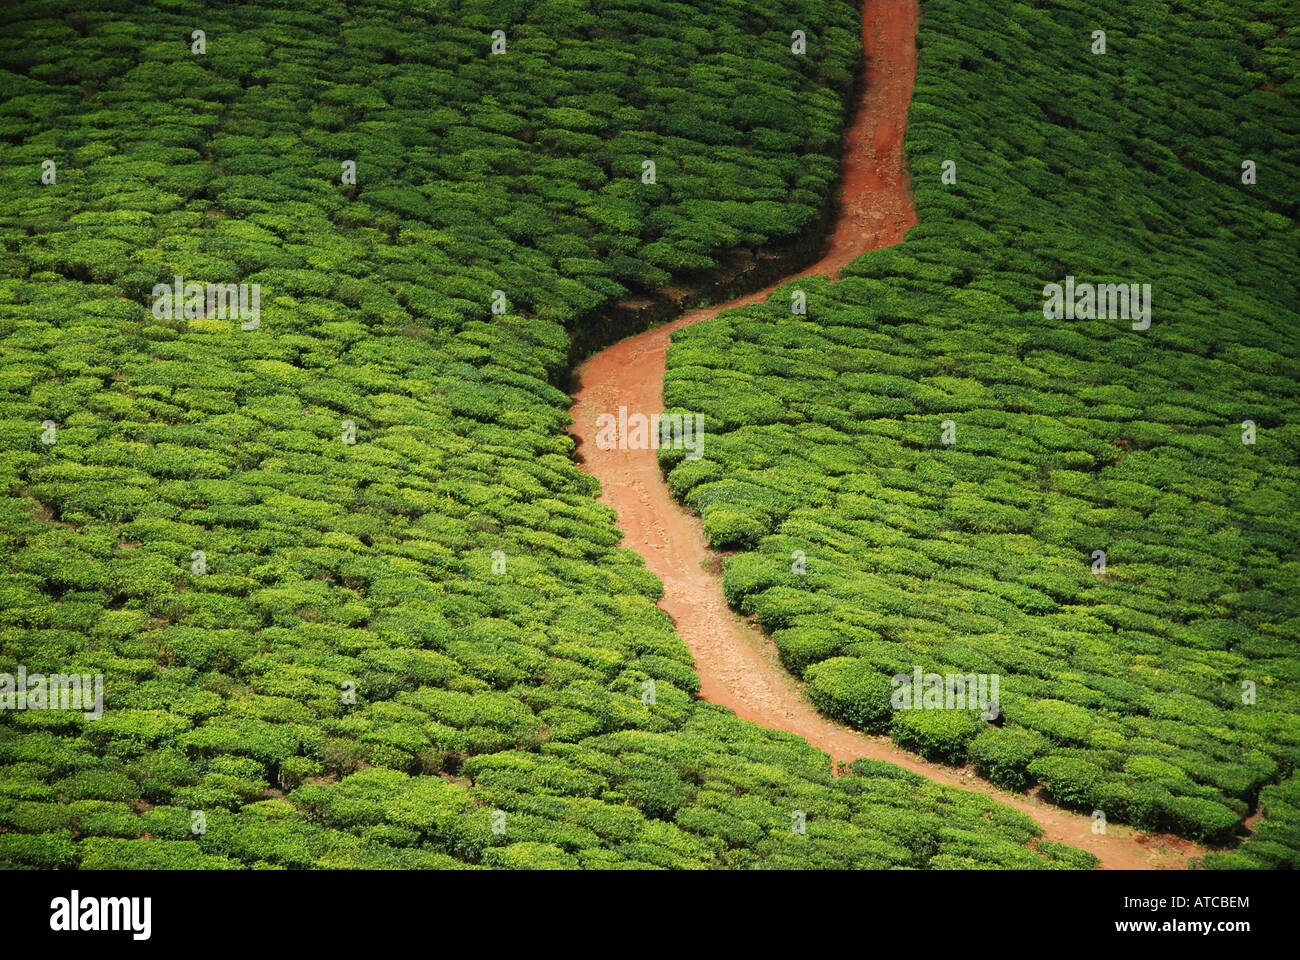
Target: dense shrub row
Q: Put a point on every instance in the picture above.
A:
(632, 798)
(1129, 689)
(1274, 844)
(424, 648)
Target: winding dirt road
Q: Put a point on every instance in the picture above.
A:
(737, 663)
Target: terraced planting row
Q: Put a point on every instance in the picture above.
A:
(926, 470)
(352, 603)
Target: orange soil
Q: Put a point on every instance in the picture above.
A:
(737, 664)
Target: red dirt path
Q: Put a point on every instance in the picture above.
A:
(736, 662)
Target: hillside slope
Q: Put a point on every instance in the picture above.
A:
(352, 602)
(946, 459)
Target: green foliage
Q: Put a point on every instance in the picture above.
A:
(1124, 690)
(1003, 755)
(849, 690)
(942, 735)
(347, 680)
(1069, 781)
(1274, 843)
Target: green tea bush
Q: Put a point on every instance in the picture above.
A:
(1003, 755)
(1158, 688)
(942, 735)
(308, 640)
(848, 690)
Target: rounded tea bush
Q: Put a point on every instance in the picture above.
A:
(734, 529)
(1002, 755)
(847, 689)
(942, 735)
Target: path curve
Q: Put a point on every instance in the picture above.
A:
(737, 664)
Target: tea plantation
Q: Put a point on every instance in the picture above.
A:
(352, 601)
(922, 469)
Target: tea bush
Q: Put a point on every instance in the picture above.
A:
(373, 654)
(1162, 687)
